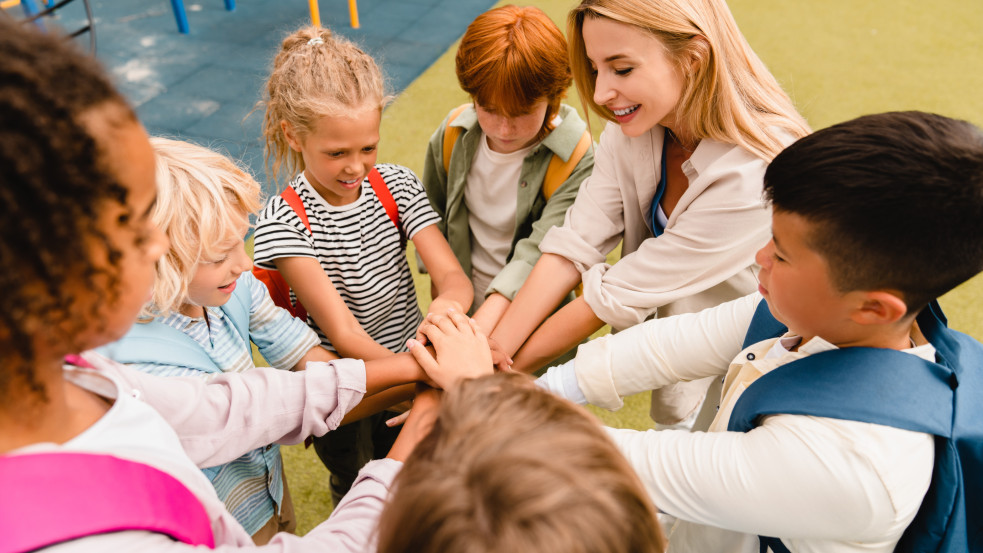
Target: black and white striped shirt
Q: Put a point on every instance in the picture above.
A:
(358, 247)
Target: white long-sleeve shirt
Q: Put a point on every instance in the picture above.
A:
(820, 484)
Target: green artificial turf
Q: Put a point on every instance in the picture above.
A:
(838, 59)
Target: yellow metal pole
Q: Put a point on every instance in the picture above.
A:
(353, 12)
(315, 13)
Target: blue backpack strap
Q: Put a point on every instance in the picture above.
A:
(237, 308)
(897, 389)
(763, 326)
(776, 545)
(881, 386)
(155, 342)
(950, 515)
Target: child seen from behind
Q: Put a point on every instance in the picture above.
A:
(349, 270)
(508, 467)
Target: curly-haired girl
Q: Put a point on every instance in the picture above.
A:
(79, 245)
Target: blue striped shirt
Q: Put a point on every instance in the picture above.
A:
(252, 485)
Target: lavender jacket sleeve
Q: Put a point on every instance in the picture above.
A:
(233, 413)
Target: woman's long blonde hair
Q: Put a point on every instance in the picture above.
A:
(729, 94)
(315, 74)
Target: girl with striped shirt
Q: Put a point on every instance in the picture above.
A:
(348, 267)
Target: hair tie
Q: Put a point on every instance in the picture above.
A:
(315, 41)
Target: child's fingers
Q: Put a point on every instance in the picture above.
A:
(420, 336)
(422, 356)
(462, 322)
(443, 324)
(398, 419)
(430, 329)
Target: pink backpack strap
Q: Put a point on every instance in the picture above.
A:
(50, 498)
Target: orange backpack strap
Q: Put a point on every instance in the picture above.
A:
(559, 171)
(451, 134)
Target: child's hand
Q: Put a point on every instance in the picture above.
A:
(501, 359)
(439, 306)
(418, 422)
(462, 349)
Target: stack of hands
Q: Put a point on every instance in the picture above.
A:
(460, 350)
(450, 347)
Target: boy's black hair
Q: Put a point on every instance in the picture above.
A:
(895, 200)
(53, 182)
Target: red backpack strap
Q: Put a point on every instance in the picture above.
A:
(274, 281)
(295, 203)
(50, 498)
(385, 196)
(293, 200)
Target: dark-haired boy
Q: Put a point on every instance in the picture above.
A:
(873, 219)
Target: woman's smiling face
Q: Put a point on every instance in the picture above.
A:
(634, 75)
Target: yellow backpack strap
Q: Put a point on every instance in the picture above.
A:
(451, 134)
(559, 171)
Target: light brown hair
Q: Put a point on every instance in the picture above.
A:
(729, 94)
(315, 74)
(510, 468)
(512, 57)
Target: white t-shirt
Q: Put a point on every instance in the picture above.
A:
(491, 200)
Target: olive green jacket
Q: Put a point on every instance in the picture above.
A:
(534, 214)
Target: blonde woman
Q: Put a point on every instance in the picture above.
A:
(694, 117)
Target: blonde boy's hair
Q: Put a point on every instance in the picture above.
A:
(510, 467)
(315, 74)
(202, 197)
(729, 94)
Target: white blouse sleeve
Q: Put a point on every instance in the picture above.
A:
(660, 352)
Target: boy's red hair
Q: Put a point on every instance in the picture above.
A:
(512, 57)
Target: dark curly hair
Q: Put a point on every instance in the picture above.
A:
(53, 182)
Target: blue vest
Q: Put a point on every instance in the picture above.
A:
(897, 389)
(155, 342)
